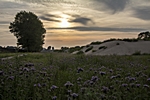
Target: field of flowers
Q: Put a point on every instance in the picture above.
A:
(57, 76)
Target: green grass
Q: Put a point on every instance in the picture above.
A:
(31, 77)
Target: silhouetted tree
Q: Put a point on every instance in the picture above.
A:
(28, 30)
(144, 35)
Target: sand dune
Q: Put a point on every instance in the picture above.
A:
(118, 48)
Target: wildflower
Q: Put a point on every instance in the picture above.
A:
(79, 79)
(83, 90)
(74, 95)
(39, 85)
(69, 92)
(32, 69)
(110, 70)
(148, 79)
(102, 73)
(35, 85)
(146, 86)
(68, 84)
(54, 97)
(11, 77)
(124, 85)
(138, 85)
(29, 64)
(112, 77)
(105, 89)
(1, 72)
(53, 87)
(94, 78)
(80, 70)
(26, 69)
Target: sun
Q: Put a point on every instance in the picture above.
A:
(64, 23)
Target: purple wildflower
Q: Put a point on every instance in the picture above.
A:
(124, 85)
(54, 97)
(105, 89)
(94, 78)
(112, 77)
(53, 87)
(79, 79)
(11, 77)
(138, 85)
(102, 73)
(69, 92)
(1, 72)
(80, 70)
(146, 86)
(39, 85)
(148, 79)
(68, 84)
(74, 95)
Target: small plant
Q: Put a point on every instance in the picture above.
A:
(93, 50)
(96, 43)
(137, 53)
(90, 48)
(102, 47)
(117, 43)
(80, 52)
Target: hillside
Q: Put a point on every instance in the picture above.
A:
(117, 47)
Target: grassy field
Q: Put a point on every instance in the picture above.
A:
(58, 76)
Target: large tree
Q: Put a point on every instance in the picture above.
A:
(29, 31)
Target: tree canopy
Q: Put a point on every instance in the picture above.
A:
(29, 31)
(144, 35)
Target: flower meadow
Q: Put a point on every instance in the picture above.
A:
(58, 76)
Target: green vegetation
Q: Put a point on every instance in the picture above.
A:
(102, 47)
(88, 49)
(58, 76)
(80, 52)
(28, 30)
(137, 53)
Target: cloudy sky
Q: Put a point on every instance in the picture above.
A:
(79, 22)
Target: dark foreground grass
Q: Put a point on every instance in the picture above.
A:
(52, 76)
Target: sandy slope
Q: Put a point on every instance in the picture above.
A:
(123, 48)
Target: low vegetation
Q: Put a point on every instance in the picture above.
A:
(57, 76)
(88, 49)
(102, 47)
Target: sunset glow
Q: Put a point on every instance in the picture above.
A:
(77, 22)
(64, 23)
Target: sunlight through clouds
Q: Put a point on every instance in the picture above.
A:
(77, 22)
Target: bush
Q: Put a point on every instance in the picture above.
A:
(90, 48)
(102, 47)
(96, 43)
(137, 53)
(117, 43)
(80, 52)
(93, 50)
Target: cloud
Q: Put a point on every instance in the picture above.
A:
(81, 20)
(142, 12)
(48, 19)
(103, 29)
(4, 22)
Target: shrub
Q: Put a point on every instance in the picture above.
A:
(93, 50)
(137, 53)
(80, 52)
(90, 48)
(102, 47)
(117, 43)
(96, 43)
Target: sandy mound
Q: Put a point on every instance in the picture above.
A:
(117, 48)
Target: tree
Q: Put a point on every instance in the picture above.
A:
(144, 35)
(29, 31)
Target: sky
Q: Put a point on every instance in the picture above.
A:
(70, 23)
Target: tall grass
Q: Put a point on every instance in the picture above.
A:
(57, 76)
